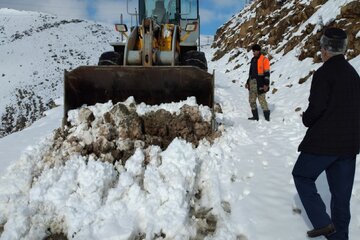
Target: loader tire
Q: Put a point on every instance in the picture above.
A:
(195, 58)
(111, 58)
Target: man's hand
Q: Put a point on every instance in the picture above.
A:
(266, 88)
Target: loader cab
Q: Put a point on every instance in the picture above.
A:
(184, 13)
(162, 11)
(169, 11)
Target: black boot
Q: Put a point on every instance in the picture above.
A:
(267, 115)
(325, 231)
(255, 115)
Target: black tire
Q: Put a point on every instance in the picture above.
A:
(195, 58)
(111, 58)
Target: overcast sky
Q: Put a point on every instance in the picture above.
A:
(213, 12)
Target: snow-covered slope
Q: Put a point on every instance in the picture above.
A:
(239, 187)
(289, 31)
(35, 49)
(284, 26)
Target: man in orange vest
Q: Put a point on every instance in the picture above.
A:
(258, 83)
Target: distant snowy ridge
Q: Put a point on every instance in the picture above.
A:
(35, 49)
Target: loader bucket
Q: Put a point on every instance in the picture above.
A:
(152, 85)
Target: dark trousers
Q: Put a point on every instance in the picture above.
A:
(340, 171)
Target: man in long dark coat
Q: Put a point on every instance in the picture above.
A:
(332, 140)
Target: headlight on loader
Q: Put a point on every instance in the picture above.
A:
(121, 28)
(190, 27)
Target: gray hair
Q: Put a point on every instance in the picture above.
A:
(334, 46)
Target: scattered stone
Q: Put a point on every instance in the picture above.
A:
(197, 195)
(140, 236)
(296, 210)
(304, 79)
(226, 206)
(217, 108)
(58, 236)
(160, 235)
(297, 109)
(237, 66)
(233, 178)
(206, 222)
(51, 104)
(202, 212)
(241, 237)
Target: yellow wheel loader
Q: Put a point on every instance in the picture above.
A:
(160, 61)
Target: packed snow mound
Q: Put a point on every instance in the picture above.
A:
(114, 168)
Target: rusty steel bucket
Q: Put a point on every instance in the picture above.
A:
(152, 85)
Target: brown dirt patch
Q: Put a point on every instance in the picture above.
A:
(119, 132)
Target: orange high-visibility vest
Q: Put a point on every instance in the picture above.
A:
(263, 65)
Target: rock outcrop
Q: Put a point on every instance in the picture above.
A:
(283, 25)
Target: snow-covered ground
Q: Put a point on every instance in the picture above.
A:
(242, 182)
(244, 177)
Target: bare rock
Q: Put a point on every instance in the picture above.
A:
(102, 145)
(351, 10)
(118, 113)
(156, 123)
(108, 131)
(217, 108)
(115, 136)
(273, 24)
(127, 121)
(86, 116)
(56, 236)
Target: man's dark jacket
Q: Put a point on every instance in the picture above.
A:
(333, 114)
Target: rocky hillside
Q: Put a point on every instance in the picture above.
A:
(35, 49)
(283, 25)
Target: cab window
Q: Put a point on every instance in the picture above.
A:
(189, 9)
(162, 10)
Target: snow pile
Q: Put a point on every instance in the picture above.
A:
(100, 178)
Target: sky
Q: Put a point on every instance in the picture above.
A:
(213, 12)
